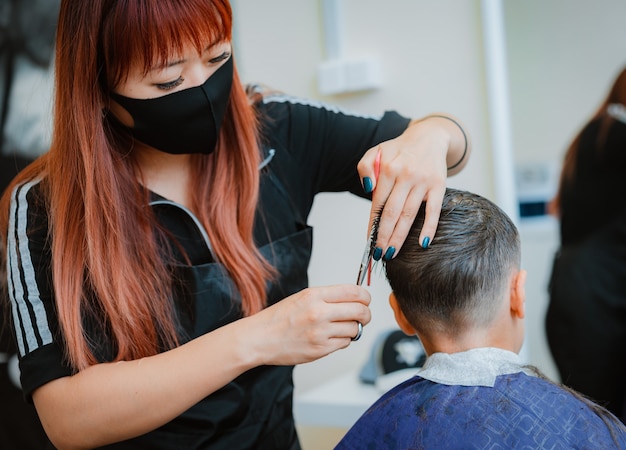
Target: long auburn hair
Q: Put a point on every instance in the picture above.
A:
(106, 260)
(617, 94)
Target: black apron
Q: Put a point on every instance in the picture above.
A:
(255, 410)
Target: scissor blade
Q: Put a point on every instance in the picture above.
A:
(365, 262)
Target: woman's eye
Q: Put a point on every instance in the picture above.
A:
(223, 57)
(170, 85)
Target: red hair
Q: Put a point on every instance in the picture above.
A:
(106, 261)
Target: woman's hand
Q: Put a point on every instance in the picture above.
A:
(309, 324)
(413, 169)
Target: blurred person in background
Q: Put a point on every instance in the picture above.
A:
(586, 317)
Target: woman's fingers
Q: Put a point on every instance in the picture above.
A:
(396, 220)
(368, 168)
(433, 210)
(312, 323)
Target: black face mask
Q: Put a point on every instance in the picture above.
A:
(186, 121)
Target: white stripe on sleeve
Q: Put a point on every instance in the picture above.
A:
(23, 289)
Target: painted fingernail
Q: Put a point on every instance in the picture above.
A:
(368, 186)
(425, 242)
(378, 252)
(389, 253)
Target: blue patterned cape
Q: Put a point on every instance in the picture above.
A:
(519, 411)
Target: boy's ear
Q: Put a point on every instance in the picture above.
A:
(518, 294)
(401, 319)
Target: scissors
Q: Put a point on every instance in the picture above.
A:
(366, 259)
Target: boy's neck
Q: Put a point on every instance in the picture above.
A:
(443, 343)
(505, 331)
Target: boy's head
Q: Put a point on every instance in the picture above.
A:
(466, 289)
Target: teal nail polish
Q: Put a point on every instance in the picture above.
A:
(368, 186)
(378, 252)
(425, 242)
(389, 253)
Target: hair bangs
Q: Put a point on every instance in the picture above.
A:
(145, 33)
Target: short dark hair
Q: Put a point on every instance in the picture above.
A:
(459, 279)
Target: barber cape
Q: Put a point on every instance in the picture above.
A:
(479, 399)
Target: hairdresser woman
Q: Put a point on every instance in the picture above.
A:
(157, 255)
